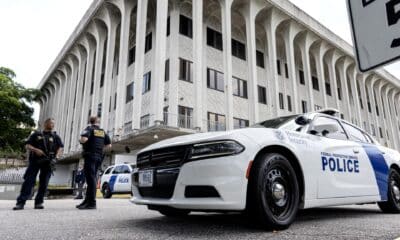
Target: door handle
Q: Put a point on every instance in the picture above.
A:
(356, 151)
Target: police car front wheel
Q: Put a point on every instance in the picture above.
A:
(393, 203)
(106, 191)
(273, 196)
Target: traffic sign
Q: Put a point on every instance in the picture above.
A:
(376, 31)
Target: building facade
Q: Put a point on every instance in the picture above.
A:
(153, 69)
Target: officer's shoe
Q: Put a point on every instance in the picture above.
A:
(18, 207)
(87, 207)
(39, 206)
(81, 204)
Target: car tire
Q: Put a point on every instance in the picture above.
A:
(106, 191)
(392, 205)
(273, 194)
(173, 212)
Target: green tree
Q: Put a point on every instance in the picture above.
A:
(16, 120)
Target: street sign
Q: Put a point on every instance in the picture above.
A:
(376, 31)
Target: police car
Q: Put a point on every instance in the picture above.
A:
(269, 170)
(116, 180)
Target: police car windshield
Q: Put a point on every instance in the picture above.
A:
(275, 122)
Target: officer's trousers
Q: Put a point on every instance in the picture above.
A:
(30, 179)
(90, 167)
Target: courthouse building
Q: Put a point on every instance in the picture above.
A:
(154, 69)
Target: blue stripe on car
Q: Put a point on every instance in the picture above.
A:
(380, 168)
(112, 182)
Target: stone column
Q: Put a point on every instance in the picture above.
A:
(197, 60)
(100, 39)
(319, 54)
(126, 9)
(290, 34)
(273, 19)
(307, 40)
(112, 31)
(333, 57)
(158, 82)
(353, 85)
(343, 65)
(226, 19)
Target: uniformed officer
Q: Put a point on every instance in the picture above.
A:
(44, 148)
(94, 140)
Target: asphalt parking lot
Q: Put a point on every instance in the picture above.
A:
(119, 219)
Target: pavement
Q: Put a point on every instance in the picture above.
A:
(119, 219)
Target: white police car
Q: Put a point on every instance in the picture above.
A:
(269, 170)
(116, 180)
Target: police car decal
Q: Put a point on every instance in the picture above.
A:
(270, 170)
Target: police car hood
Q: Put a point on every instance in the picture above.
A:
(196, 138)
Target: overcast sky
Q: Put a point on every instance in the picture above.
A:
(33, 32)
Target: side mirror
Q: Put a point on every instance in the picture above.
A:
(302, 121)
(324, 129)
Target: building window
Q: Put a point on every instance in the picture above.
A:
(278, 67)
(215, 80)
(286, 71)
(369, 107)
(102, 80)
(185, 117)
(216, 122)
(328, 89)
(239, 87)
(315, 83)
(240, 123)
(361, 103)
(281, 104)
(262, 95)
(238, 49)
(115, 101)
(146, 83)
(317, 107)
(342, 116)
(304, 106)
(132, 55)
(380, 132)
(145, 121)
(301, 77)
(99, 110)
(148, 43)
(185, 26)
(260, 59)
(289, 103)
(166, 70)
(91, 88)
(185, 70)
(214, 39)
(129, 92)
(339, 92)
(377, 110)
(168, 26)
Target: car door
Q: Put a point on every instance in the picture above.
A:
(339, 160)
(374, 172)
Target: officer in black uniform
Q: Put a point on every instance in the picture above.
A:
(44, 147)
(94, 140)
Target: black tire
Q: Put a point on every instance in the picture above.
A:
(106, 191)
(392, 205)
(273, 194)
(173, 212)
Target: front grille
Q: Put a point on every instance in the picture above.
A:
(164, 157)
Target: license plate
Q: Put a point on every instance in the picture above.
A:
(146, 178)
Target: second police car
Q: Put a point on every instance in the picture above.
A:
(269, 170)
(116, 180)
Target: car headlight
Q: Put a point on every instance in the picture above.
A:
(215, 149)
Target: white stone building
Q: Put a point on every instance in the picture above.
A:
(154, 69)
